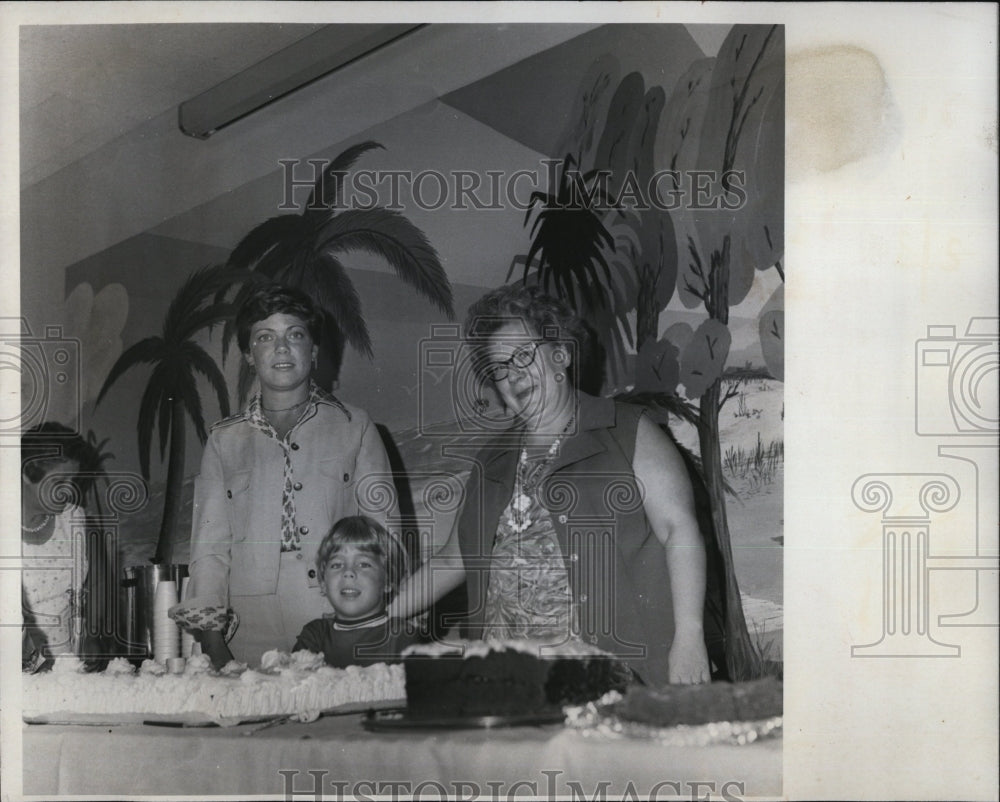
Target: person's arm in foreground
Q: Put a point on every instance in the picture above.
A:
(211, 554)
(442, 573)
(669, 505)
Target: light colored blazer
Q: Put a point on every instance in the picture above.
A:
(339, 466)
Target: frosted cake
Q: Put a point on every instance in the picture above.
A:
(511, 678)
(299, 684)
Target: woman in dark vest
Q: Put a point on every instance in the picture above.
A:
(578, 521)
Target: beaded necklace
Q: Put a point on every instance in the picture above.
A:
(526, 480)
(38, 528)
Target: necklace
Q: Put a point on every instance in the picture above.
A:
(38, 528)
(285, 409)
(527, 479)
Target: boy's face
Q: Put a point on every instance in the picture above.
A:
(355, 583)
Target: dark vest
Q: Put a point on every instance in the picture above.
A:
(616, 566)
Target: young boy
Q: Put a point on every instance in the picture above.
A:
(360, 566)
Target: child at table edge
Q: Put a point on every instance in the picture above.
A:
(359, 565)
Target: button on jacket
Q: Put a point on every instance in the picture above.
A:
(616, 566)
(338, 462)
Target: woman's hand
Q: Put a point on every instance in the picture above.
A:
(687, 663)
(669, 507)
(214, 645)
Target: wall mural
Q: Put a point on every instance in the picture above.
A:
(723, 128)
(659, 204)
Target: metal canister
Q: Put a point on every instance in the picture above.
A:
(135, 633)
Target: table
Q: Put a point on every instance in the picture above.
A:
(338, 757)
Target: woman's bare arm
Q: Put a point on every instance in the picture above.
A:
(669, 505)
(443, 572)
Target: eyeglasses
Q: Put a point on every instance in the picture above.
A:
(520, 359)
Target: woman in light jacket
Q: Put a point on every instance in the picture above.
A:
(274, 479)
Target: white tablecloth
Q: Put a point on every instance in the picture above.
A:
(343, 758)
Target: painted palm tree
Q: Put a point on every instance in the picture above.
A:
(571, 247)
(306, 250)
(171, 395)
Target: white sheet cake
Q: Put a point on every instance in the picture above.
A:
(298, 684)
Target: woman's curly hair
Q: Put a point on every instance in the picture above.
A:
(271, 299)
(50, 443)
(551, 319)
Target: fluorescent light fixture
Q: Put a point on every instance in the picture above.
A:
(312, 57)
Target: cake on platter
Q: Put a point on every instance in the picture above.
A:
(506, 678)
(686, 715)
(299, 685)
(702, 704)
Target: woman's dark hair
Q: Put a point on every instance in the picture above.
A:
(550, 317)
(370, 536)
(272, 299)
(48, 443)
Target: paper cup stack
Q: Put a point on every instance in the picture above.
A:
(166, 635)
(187, 639)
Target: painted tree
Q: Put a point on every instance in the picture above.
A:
(626, 152)
(721, 134)
(171, 395)
(732, 228)
(569, 254)
(306, 250)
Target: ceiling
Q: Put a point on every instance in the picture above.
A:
(516, 103)
(103, 159)
(82, 86)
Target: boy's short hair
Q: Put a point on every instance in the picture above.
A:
(370, 536)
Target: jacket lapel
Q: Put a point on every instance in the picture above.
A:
(500, 458)
(592, 414)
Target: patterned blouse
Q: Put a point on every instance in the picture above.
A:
(52, 581)
(256, 418)
(528, 594)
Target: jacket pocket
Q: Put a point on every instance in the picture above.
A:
(336, 480)
(238, 504)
